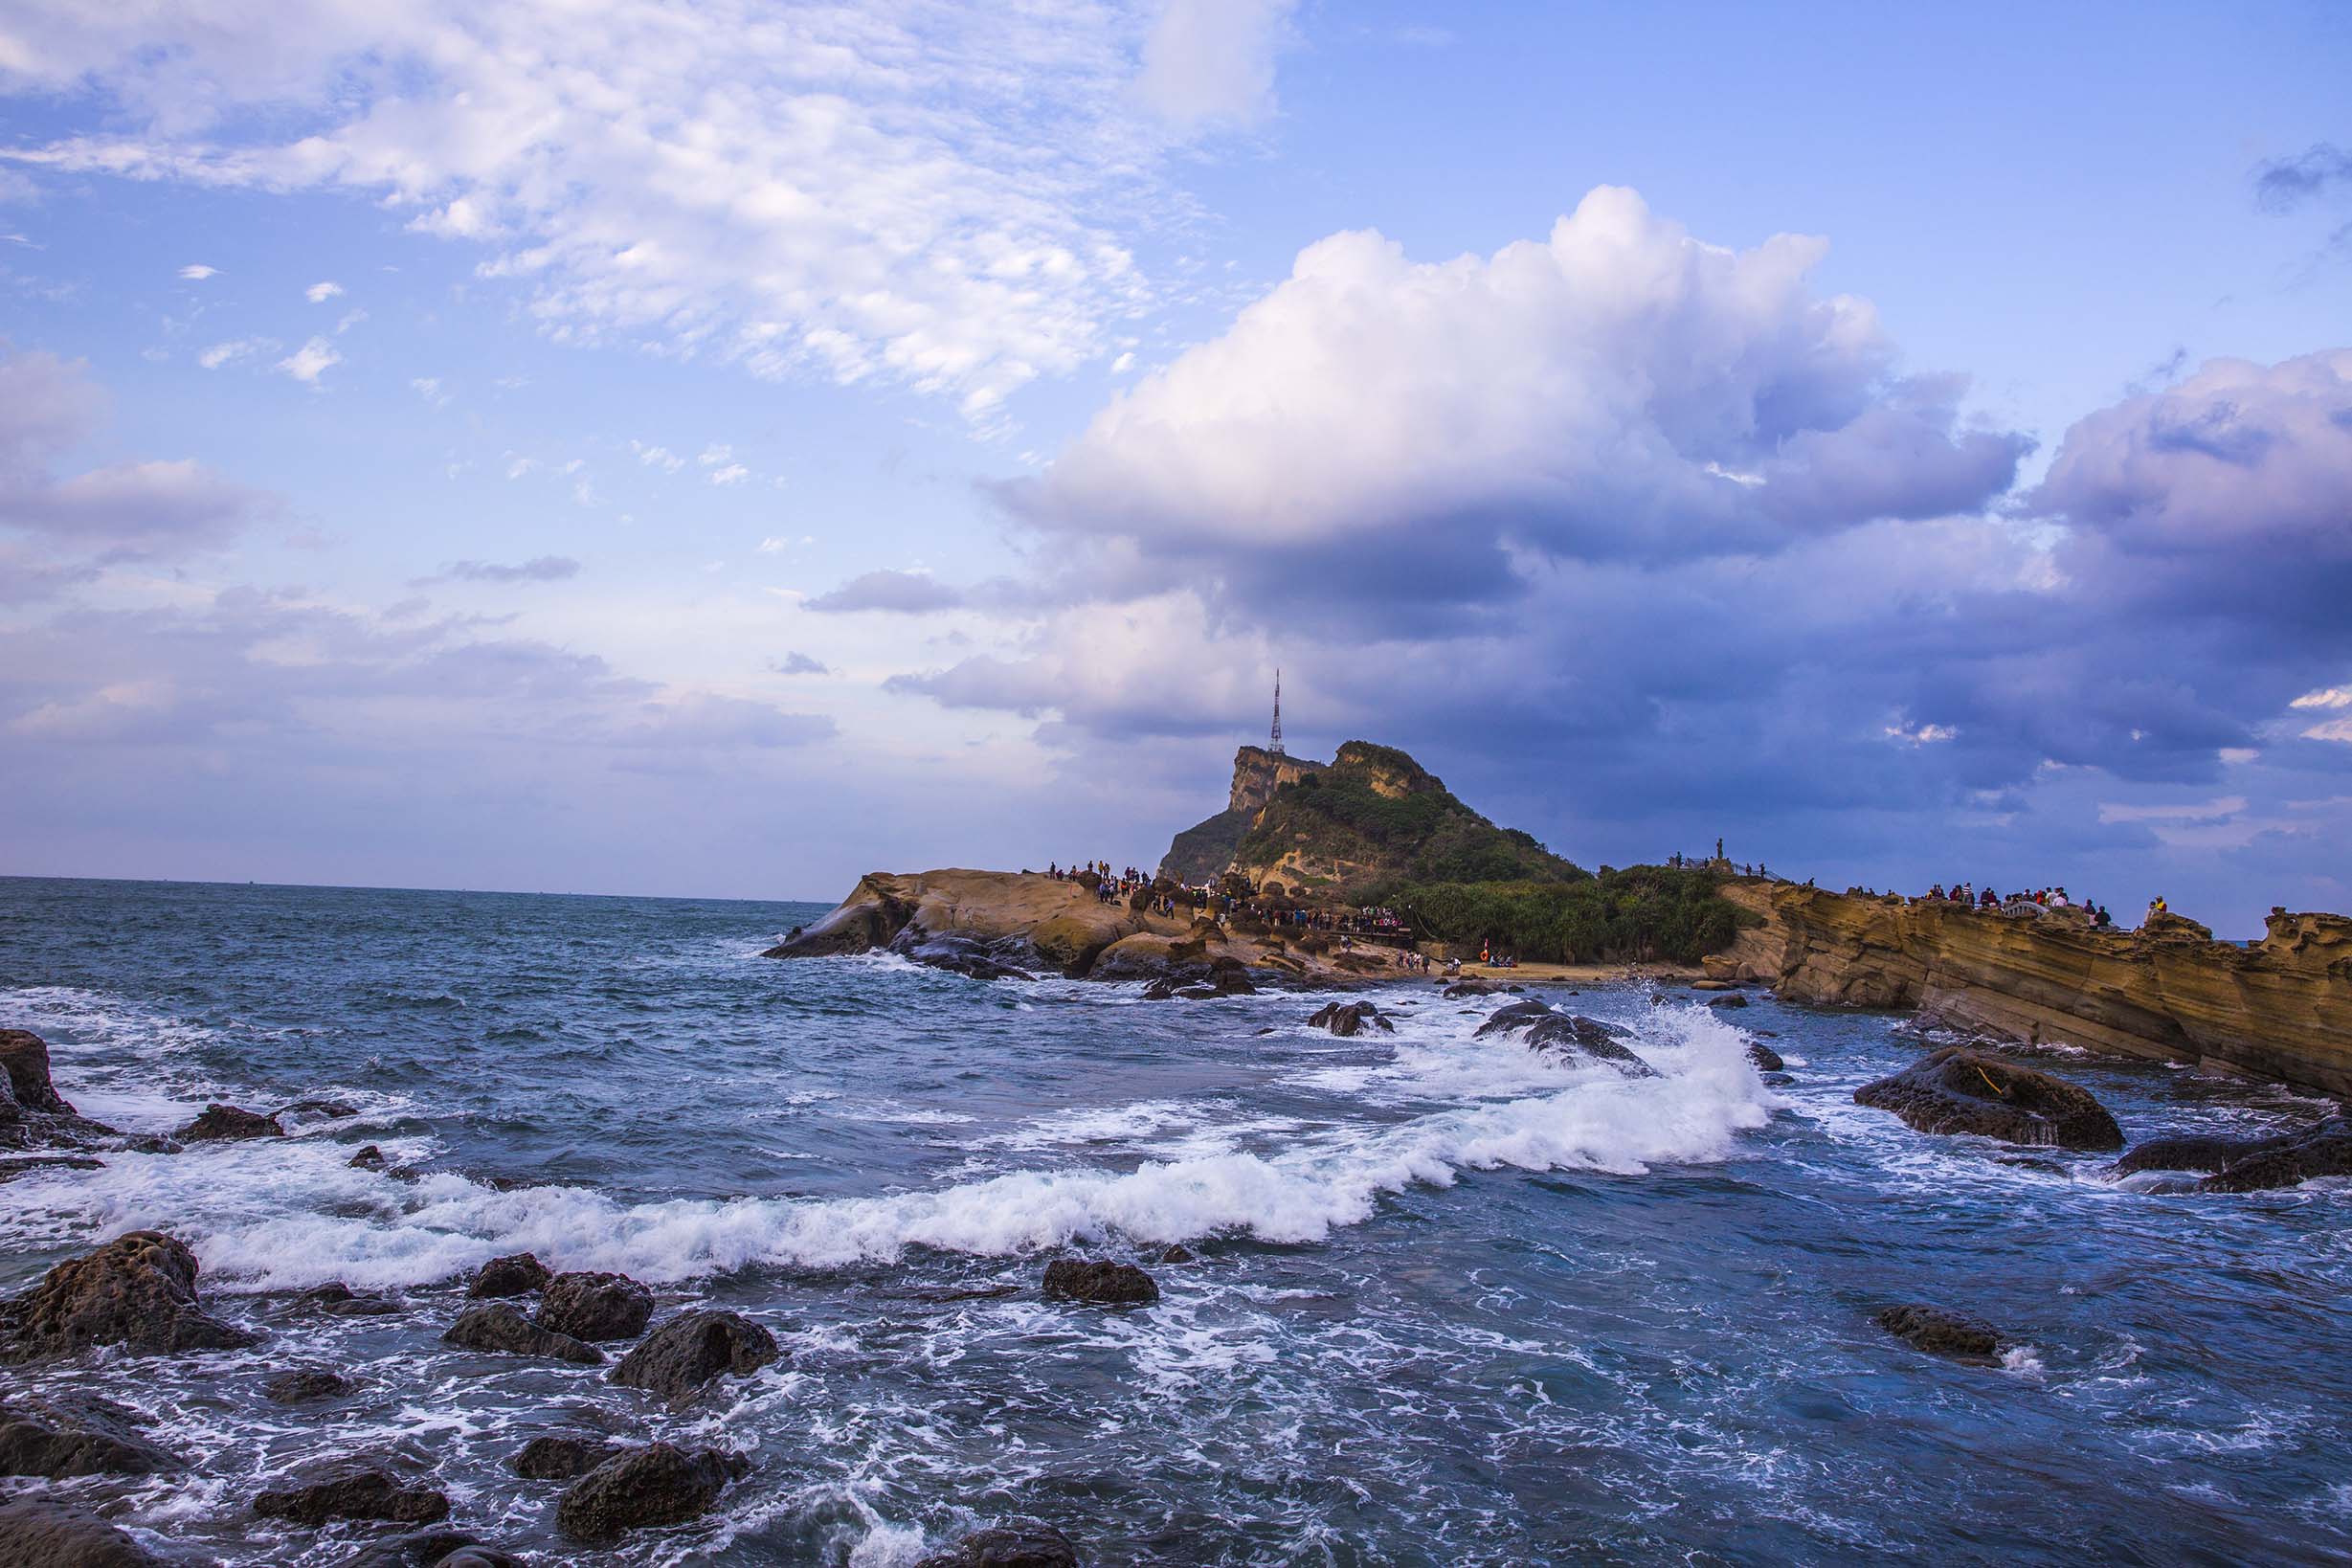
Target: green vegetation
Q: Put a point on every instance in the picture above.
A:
(1423, 835)
(1641, 912)
(1204, 849)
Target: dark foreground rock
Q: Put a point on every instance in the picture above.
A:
(1466, 988)
(564, 1458)
(327, 1110)
(1959, 1090)
(1734, 1000)
(13, 1166)
(32, 1113)
(336, 1299)
(660, 1484)
(229, 1124)
(369, 1158)
(1023, 1545)
(138, 1291)
(354, 1494)
(1101, 1282)
(37, 1533)
(693, 1348)
(1541, 1028)
(500, 1330)
(517, 1273)
(1345, 1019)
(306, 1385)
(1765, 1058)
(959, 953)
(76, 1435)
(442, 1548)
(1940, 1333)
(592, 1305)
(2325, 1151)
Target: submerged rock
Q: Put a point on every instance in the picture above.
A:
(354, 1494)
(564, 1458)
(229, 1124)
(331, 1111)
(1101, 1282)
(306, 1385)
(1177, 1253)
(1733, 1001)
(1345, 1019)
(138, 1291)
(25, 1164)
(369, 1158)
(1959, 1090)
(1019, 1545)
(692, 1349)
(660, 1484)
(516, 1274)
(76, 1435)
(336, 1299)
(1940, 1333)
(433, 1549)
(593, 1306)
(37, 1532)
(1466, 988)
(500, 1329)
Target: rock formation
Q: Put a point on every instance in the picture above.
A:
(498, 1328)
(1541, 1028)
(138, 1291)
(517, 1274)
(229, 1124)
(41, 1532)
(1023, 1545)
(692, 1349)
(659, 1483)
(1103, 1282)
(1346, 1019)
(1959, 1090)
(76, 1435)
(592, 1305)
(354, 1494)
(1942, 1332)
(2279, 1009)
(564, 1458)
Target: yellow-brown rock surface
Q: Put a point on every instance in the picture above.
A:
(2279, 1009)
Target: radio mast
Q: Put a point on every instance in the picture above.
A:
(1276, 745)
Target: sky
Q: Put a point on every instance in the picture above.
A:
(721, 449)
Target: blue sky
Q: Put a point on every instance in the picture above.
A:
(725, 449)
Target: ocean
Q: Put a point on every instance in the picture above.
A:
(1452, 1303)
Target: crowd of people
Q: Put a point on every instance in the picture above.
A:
(1967, 894)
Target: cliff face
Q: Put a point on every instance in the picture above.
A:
(1202, 852)
(2280, 1010)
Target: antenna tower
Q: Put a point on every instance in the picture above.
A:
(1276, 745)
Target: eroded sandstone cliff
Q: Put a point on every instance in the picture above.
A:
(2279, 1009)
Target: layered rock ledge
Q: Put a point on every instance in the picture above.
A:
(2279, 1009)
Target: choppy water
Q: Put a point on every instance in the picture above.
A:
(1453, 1305)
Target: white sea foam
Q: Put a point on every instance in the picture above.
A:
(286, 1213)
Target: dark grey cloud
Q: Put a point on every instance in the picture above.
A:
(797, 663)
(895, 592)
(540, 568)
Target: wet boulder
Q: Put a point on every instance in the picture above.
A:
(692, 1349)
(24, 1061)
(26, 1164)
(1765, 1058)
(1541, 1028)
(229, 1124)
(326, 1110)
(442, 1548)
(960, 954)
(2325, 1151)
(138, 1291)
(564, 1458)
(1019, 1545)
(354, 1494)
(517, 1273)
(369, 1158)
(336, 1299)
(498, 1329)
(37, 1532)
(306, 1385)
(1734, 1000)
(660, 1484)
(32, 1113)
(1346, 1019)
(1956, 1090)
(1460, 989)
(76, 1435)
(1101, 1283)
(1942, 1332)
(593, 1306)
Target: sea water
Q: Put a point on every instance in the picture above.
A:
(1453, 1301)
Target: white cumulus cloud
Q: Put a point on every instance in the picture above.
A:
(309, 362)
(196, 272)
(320, 293)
